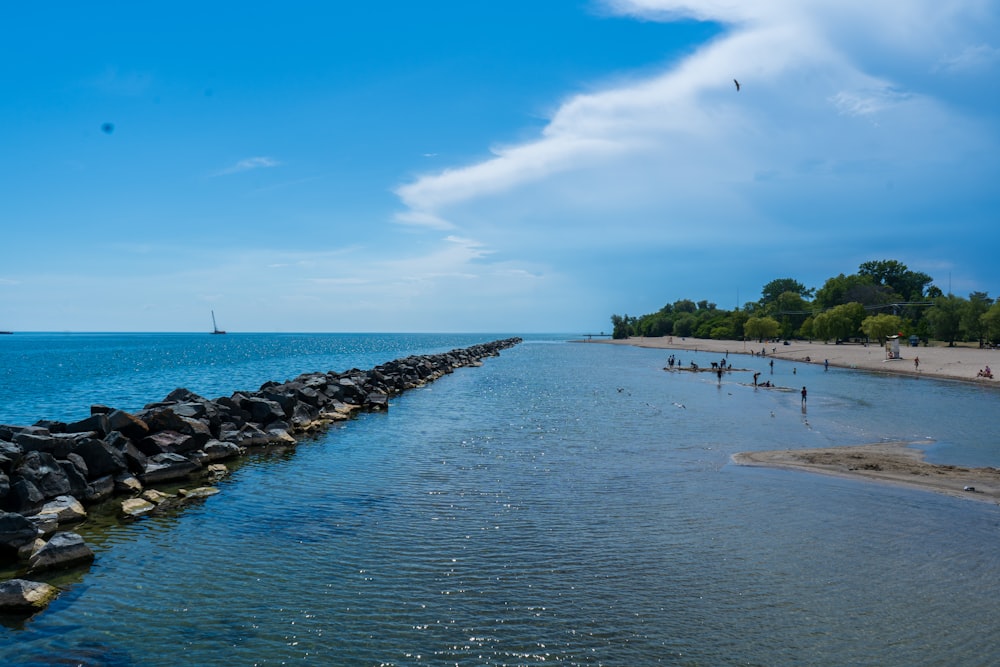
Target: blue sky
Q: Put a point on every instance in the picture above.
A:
(471, 165)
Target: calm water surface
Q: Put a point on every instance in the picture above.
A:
(554, 506)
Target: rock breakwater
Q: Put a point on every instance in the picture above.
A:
(51, 472)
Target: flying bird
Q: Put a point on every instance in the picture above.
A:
(737, 85)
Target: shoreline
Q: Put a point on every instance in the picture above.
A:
(898, 463)
(942, 363)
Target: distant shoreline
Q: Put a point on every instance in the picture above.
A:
(946, 363)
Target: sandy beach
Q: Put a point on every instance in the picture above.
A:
(950, 363)
(893, 463)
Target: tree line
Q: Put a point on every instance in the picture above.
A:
(881, 299)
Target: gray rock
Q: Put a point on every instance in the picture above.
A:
(65, 509)
(216, 450)
(95, 423)
(128, 425)
(167, 467)
(101, 458)
(164, 442)
(63, 550)
(24, 497)
(24, 596)
(135, 507)
(42, 470)
(99, 489)
(16, 531)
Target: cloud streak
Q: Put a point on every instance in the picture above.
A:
(248, 164)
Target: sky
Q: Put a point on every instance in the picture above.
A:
(481, 166)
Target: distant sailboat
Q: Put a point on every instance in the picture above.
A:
(215, 328)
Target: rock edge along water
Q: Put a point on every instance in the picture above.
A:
(51, 471)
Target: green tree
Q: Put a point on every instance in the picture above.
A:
(774, 289)
(991, 322)
(880, 326)
(621, 327)
(761, 328)
(684, 306)
(908, 285)
(840, 322)
(972, 323)
(945, 317)
(840, 289)
(684, 325)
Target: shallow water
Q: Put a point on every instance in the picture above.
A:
(557, 505)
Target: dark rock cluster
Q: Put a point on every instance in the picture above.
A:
(52, 471)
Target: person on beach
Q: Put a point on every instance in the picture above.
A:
(916, 363)
(803, 397)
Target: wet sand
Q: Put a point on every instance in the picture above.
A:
(892, 463)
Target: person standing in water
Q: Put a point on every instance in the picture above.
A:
(803, 397)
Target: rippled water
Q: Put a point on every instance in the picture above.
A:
(556, 505)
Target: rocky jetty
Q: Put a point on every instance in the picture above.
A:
(52, 471)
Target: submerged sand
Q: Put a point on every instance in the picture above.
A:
(894, 463)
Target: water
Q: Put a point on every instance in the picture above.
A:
(553, 506)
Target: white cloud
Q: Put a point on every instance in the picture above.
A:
(248, 164)
(970, 57)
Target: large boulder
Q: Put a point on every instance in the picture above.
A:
(216, 450)
(99, 489)
(76, 474)
(95, 423)
(263, 411)
(161, 418)
(166, 467)
(56, 445)
(128, 425)
(64, 509)
(24, 497)
(164, 442)
(42, 470)
(19, 596)
(63, 550)
(16, 531)
(101, 458)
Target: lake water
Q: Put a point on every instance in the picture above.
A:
(555, 506)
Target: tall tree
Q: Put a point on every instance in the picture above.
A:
(945, 317)
(975, 308)
(991, 322)
(761, 328)
(908, 285)
(779, 286)
(880, 326)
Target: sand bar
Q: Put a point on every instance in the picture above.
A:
(892, 462)
(948, 363)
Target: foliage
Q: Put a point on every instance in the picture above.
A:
(945, 317)
(881, 326)
(882, 298)
(761, 328)
(991, 322)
